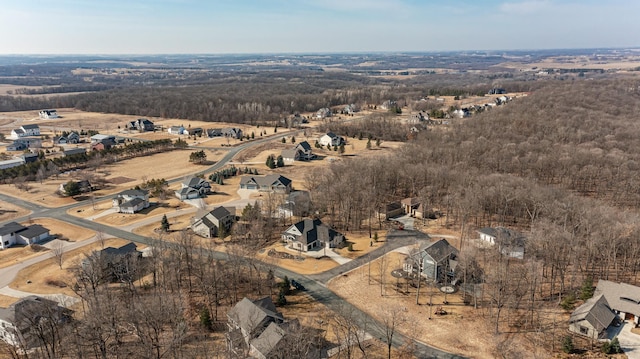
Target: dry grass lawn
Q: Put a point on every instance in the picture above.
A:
(17, 254)
(48, 271)
(442, 331)
(6, 301)
(307, 265)
(9, 211)
(177, 223)
(361, 244)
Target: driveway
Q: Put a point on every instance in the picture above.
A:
(406, 220)
(629, 342)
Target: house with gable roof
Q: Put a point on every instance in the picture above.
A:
(269, 183)
(23, 323)
(208, 224)
(48, 114)
(142, 125)
(433, 260)
(311, 234)
(131, 201)
(592, 318)
(193, 187)
(331, 139)
(248, 321)
(510, 243)
(25, 131)
(301, 152)
(14, 233)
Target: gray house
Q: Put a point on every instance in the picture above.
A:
(141, 124)
(510, 243)
(592, 318)
(193, 187)
(208, 224)
(248, 322)
(21, 322)
(311, 234)
(434, 261)
(270, 183)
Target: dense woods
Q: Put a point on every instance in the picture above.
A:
(559, 165)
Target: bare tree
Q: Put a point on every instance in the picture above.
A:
(57, 249)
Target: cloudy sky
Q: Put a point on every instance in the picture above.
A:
(303, 26)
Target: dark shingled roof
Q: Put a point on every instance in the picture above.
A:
(439, 250)
(596, 311)
(11, 227)
(34, 230)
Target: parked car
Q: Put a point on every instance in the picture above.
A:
(297, 285)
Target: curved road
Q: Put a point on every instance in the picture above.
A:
(315, 284)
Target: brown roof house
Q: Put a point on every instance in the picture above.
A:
(311, 234)
(30, 321)
(435, 261)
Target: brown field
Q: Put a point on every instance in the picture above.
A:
(122, 219)
(48, 270)
(43, 194)
(17, 254)
(9, 211)
(177, 223)
(441, 332)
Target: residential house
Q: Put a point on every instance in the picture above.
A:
(176, 130)
(70, 138)
(331, 139)
(311, 234)
(24, 143)
(233, 132)
(16, 146)
(323, 113)
(497, 91)
(193, 187)
(131, 201)
(390, 210)
(592, 318)
(297, 203)
(142, 125)
(21, 323)
(14, 233)
(74, 152)
(413, 207)
(101, 142)
(195, 131)
(269, 183)
(301, 152)
(351, 109)
(389, 104)
(208, 224)
(29, 157)
(48, 114)
(418, 118)
(434, 261)
(509, 242)
(115, 264)
(623, 299)
(25, 131)
(251, 327)
(214, 132)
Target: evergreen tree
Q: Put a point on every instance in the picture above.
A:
(280, 162)
(205, 318)
(165, 223)
(71, 188)
(271, 163)
(369, 144)
(283, 140)
(341, 148)
(293, 139)
(586, 291)
(567, 345)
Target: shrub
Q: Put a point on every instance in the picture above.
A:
(567, 344)
(568, 302)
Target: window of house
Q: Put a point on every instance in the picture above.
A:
(584, 330)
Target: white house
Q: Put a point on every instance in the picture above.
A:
(311, 234)
(48, 114)
(176, 130)
(14, 233)
(193, 187)
(331, 139)
(25, 131)
(509, 242)
(131, 201)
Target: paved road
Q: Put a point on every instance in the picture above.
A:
(316, 284)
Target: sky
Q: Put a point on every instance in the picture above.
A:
(312, 26)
